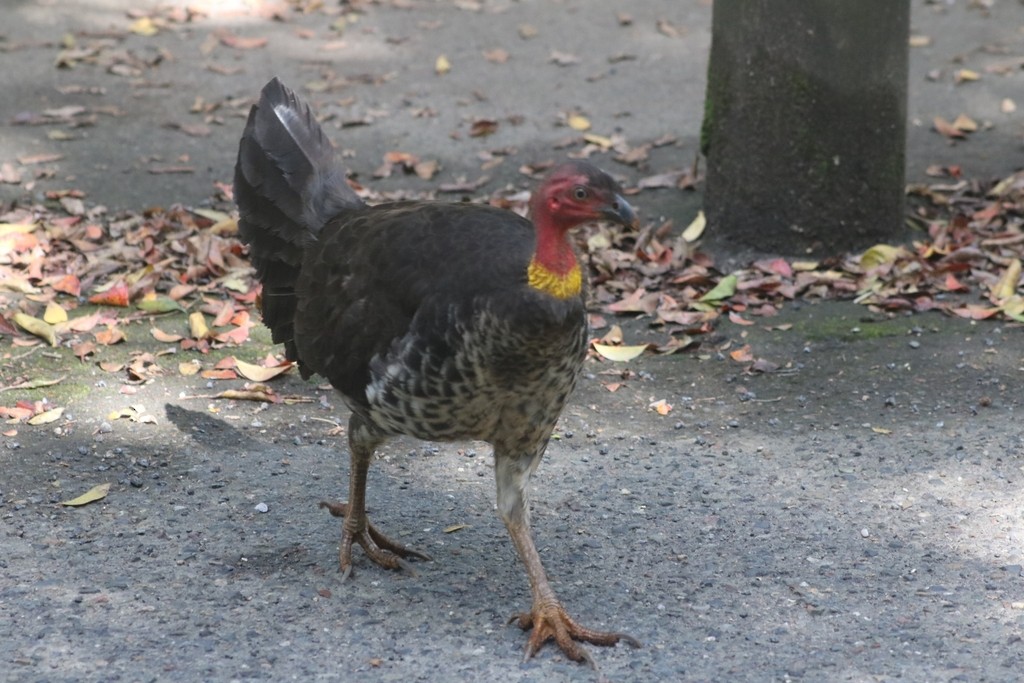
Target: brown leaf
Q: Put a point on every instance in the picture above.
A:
(425, 170)
(165, 337)
(68, 284)
(737, 319)
(109, 336)
(196, 130)
(662, 407)
(83, 349)
(32, 159)
(218, 374)
(482, 128)
(161, 170)
(742, 354)
(667, 28)
(259, 373)
(236, 42)
(947, 129)
(527, 31)
(9, 174)
(116, 295)
(497, 55)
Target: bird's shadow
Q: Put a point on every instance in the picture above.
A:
(206, 429)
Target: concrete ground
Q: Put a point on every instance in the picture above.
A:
(856, 516)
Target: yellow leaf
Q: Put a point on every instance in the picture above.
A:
(258, 373)
(92, 495)
(620, 353)
(123, 412)
(881, 430)
(920, 41)
(599, 140)
(55, 314)
(879, 254)
(144, 27)
(197, 325)
(454, 527)
(442, 65)
(189, 368)
(1013, 307)
(1007, 284)
(965, 123)
(579, 122)
(966, 75)
(46, 417)
(25, 228)
(39, 328)
(661, 407)
(696, 228)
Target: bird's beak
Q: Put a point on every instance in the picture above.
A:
(620, 211)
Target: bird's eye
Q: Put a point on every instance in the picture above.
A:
(580, 192)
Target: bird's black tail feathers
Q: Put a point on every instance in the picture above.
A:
(288, 184)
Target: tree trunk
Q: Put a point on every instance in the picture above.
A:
(805, 124)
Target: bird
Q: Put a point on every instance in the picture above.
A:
(434, 320)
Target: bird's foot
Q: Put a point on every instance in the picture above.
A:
(378, 547)
(550, 621)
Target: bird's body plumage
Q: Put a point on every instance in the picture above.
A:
(421, 315)
(433, 320)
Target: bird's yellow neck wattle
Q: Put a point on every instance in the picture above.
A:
(559, 285)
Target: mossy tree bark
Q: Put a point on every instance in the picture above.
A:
(805, 124)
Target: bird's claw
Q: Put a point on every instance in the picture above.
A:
(551, 622)
(378, 547)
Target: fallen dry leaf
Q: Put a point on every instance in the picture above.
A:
(98, 492)
(259, 373)
(234, 41)
(947, 129)
(662, 407)
(37, 327)
(578, 122)
(620, 353)
(497, 55)
(696, 228)
(742, 354)
(46, 417)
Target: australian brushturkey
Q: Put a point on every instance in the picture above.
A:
(439, 321)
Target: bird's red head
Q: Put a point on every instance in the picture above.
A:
(572, 194)
(578, 192)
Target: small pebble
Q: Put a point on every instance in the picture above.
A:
(914, 344)
(261, 507)
(865, 533)
(104, 428)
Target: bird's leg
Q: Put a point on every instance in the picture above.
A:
(357, 528)
(546, 617)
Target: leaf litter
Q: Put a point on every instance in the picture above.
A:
(964, 260)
